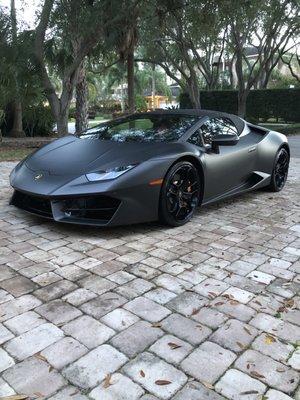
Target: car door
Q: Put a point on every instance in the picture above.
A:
(230, 167)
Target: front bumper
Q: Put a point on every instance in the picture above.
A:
(91, 209)
(87, 210)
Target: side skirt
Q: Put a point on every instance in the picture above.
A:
(257, 180)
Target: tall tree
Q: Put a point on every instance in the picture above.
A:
(76, 28)
(81, 114)
(124, 36)
(17, 129)
(188, 44)
(268, 28)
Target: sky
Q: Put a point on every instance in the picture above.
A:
(25, 9)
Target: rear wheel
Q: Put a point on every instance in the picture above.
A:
(280, 170)
(180, 194)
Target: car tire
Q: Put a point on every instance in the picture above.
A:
(280, 170)
(180, 194)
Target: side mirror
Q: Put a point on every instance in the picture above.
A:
(223, 140)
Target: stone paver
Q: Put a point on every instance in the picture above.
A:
(206, 311)
(33, 376)
(64, 352)
(148, 371)
(33, 341)
(269, 371)
(92, 368)
(171, 349)
(6, 360)
(214, 362)
(235, 385)
(88, 331)
(136, 338)
(234, 335)
(116, 389)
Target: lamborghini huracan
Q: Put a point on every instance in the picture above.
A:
(149, 166)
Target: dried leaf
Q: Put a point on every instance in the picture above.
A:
(39, 394)
(156, 325)
(207, 385)
(107, 381)
(241, 345)
(40, 357)
(51, 368)
(269, 339)
(256, 374)
(212, 294)
(247, 330)
(174, 345)
(280, 369)
(15, 397)
(195, 311)
(142, 373)
(162, 382)
(249, 392)
(219, 303)
(234, 302)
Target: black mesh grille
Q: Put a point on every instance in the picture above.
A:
(100, 208)
(83, 209)
(34, 204)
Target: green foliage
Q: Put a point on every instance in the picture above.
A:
(281, 104)
(140, 103)
(38, 120)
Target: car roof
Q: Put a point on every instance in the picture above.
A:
(237, 121)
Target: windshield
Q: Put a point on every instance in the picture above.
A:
(152, 128)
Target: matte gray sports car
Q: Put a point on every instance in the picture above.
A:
(149, 166)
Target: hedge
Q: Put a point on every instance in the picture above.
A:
(281, 104)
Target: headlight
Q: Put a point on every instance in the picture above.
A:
(111, 173)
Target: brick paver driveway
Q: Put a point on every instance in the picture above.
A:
(210, 310)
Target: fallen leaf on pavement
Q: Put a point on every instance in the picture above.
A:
(156, 325)
(162, 382)
(142, 373)
(107, 381)
(249, 392)
(40, 357)
(174, 345)
(207, 385)
(247, 330)
(269, 339)
(256, 374)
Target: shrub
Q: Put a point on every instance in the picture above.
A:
(38, 121)
(283, 104)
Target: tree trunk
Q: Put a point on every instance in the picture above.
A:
(17, 129)
(130, 80)
(242, 102)
(81, 122)
(194, 93)
(62, 123)
(153, 94)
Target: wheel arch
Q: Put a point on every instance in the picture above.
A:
(197, 163)
(286, 147)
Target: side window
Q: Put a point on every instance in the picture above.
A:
(196, 138)
(217, 126)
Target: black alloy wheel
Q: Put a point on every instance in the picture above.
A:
(180, 194)
(280, 170)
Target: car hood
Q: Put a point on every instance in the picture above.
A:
(73, 156)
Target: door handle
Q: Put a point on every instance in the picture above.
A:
(252, 149)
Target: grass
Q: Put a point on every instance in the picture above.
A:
(14, 154)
